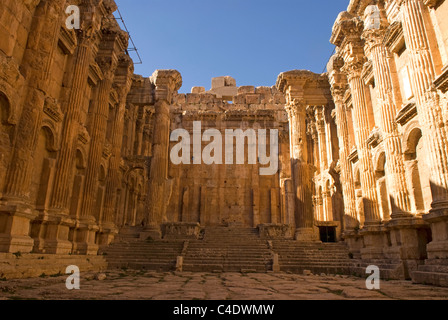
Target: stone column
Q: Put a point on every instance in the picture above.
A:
(431, 118)
(63, 181)
(372, 229)
(36, 64)
(402, 225)
(166, 82)
(321, 137)
(108, 227)
(362, 132)
(396, 177)
(88, 220)
(348, 184)
(347, 35)
(301, 172)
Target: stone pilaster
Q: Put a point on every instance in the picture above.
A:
(166, 82)
(431, 119)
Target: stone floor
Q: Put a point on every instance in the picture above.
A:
(129, 285)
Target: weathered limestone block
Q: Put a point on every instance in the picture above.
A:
(275, 231)
(181, 230)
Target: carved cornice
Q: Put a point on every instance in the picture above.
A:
(367, 73)
(406, 113)
(353, 156)
(394, 37)
(299, 78)
(95, 74)
(53, 110)
(432, 3)
(167, 83)
(67, 40)
(107, 151)
(374, 138)
(441, 82)
(84, 136)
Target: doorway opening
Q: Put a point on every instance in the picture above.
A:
(327, 234)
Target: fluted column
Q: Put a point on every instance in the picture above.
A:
(301, 170)
(167, 82)
(88, 219)
(422, 74)
(428, 105)
(116, 140)
(396, 176)
(348, 183)
(322, 137)
(362, 132)
(67, 155)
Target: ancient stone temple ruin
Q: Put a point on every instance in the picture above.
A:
(360, 176)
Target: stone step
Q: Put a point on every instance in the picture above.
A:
(430, 278)
(224, 268)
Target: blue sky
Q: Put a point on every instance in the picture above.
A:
(250, 40)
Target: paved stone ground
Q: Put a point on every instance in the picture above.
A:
(130, 285)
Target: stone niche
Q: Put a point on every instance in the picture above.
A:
(275, 231)
(181, 230)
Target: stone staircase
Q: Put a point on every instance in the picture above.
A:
(389, 270)
(228, 249)
(128, 252)
(296, 257)
(433, 272)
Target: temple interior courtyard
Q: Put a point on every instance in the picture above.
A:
(357, 172)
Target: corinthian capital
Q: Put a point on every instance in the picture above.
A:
(375, 27)
(167, 82)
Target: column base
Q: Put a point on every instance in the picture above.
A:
(408, 239)
(373, 236)
(50, 232)
(15, 228)
(438, 247)
(107, 234)
(307, 235)
(354, 242)
(85, 239)
(14, 243)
